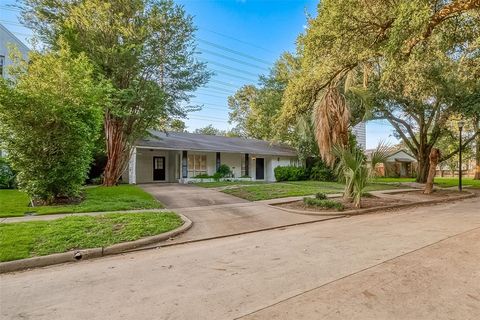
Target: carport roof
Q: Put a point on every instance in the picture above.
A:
(200, 142)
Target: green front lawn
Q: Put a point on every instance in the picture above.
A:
(441, 182)
(124, 197)
(275, 190)
(38, 238)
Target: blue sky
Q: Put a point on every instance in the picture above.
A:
(239, 40)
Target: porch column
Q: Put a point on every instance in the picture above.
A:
(184, 164)
(218, 162)
(132, 167)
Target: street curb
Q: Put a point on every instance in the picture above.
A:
(85, 254)
(372, 210)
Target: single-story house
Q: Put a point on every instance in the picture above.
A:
(181, 157)
(399, 163)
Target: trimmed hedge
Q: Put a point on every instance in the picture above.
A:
(290, 173)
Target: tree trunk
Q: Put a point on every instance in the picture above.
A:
(477, 150)
(117, 150)
(422, 169)
(434, 157)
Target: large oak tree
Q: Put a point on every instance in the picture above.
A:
(352, 41)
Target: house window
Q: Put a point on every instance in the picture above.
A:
(197, 164)
(2, 64)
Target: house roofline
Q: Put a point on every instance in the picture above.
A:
(15, 37)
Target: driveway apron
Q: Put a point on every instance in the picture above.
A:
(216, 214)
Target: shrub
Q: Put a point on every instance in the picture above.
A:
(321, 196)
(223, 171)
(49, 121)
(319, 171)
(217, 176)
(290, 173)
(7, 175)
(323, 203)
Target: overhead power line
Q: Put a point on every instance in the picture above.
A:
(234, 59)
(208, 120)
(232, 75)
(236, 39)
(234, 52)
(229, 67)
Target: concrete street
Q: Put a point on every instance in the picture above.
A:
(418, 263)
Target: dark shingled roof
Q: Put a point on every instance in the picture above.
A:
(200, 142)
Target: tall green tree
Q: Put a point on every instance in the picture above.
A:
(145, 48)
(255, 108)
(50, 117)
(352, 43)
(210, 130)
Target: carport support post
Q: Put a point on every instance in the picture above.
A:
(184, 164)
(132, 167)
(218, 161)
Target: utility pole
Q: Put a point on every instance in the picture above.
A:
(460, 128)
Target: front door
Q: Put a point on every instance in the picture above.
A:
(259, 169)
(158, 168)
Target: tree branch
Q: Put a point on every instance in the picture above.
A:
(404, 137)
(443, 14)
(392, 118)
(458, 150)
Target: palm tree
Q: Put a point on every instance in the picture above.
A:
(332, 119)
(353, 168)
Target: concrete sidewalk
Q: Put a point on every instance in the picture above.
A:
(48, 217)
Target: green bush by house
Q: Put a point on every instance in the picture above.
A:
(317, 170)
(290, 173)
(7, 175)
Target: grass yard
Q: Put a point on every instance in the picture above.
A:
(14, 203)
(292, 188)
(38, 238)
(441, 182)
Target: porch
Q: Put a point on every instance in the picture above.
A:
(156, 165)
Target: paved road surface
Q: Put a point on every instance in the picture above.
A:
(415, 264)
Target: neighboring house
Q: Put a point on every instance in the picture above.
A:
(7, 39)
(399, 163)
(180, 157)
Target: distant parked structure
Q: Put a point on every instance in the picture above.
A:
(8, 39)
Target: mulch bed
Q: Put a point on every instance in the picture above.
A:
(377, 202)
(367, 202)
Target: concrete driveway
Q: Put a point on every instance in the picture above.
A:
(420, 263)
(216, 214)
(176, 195)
